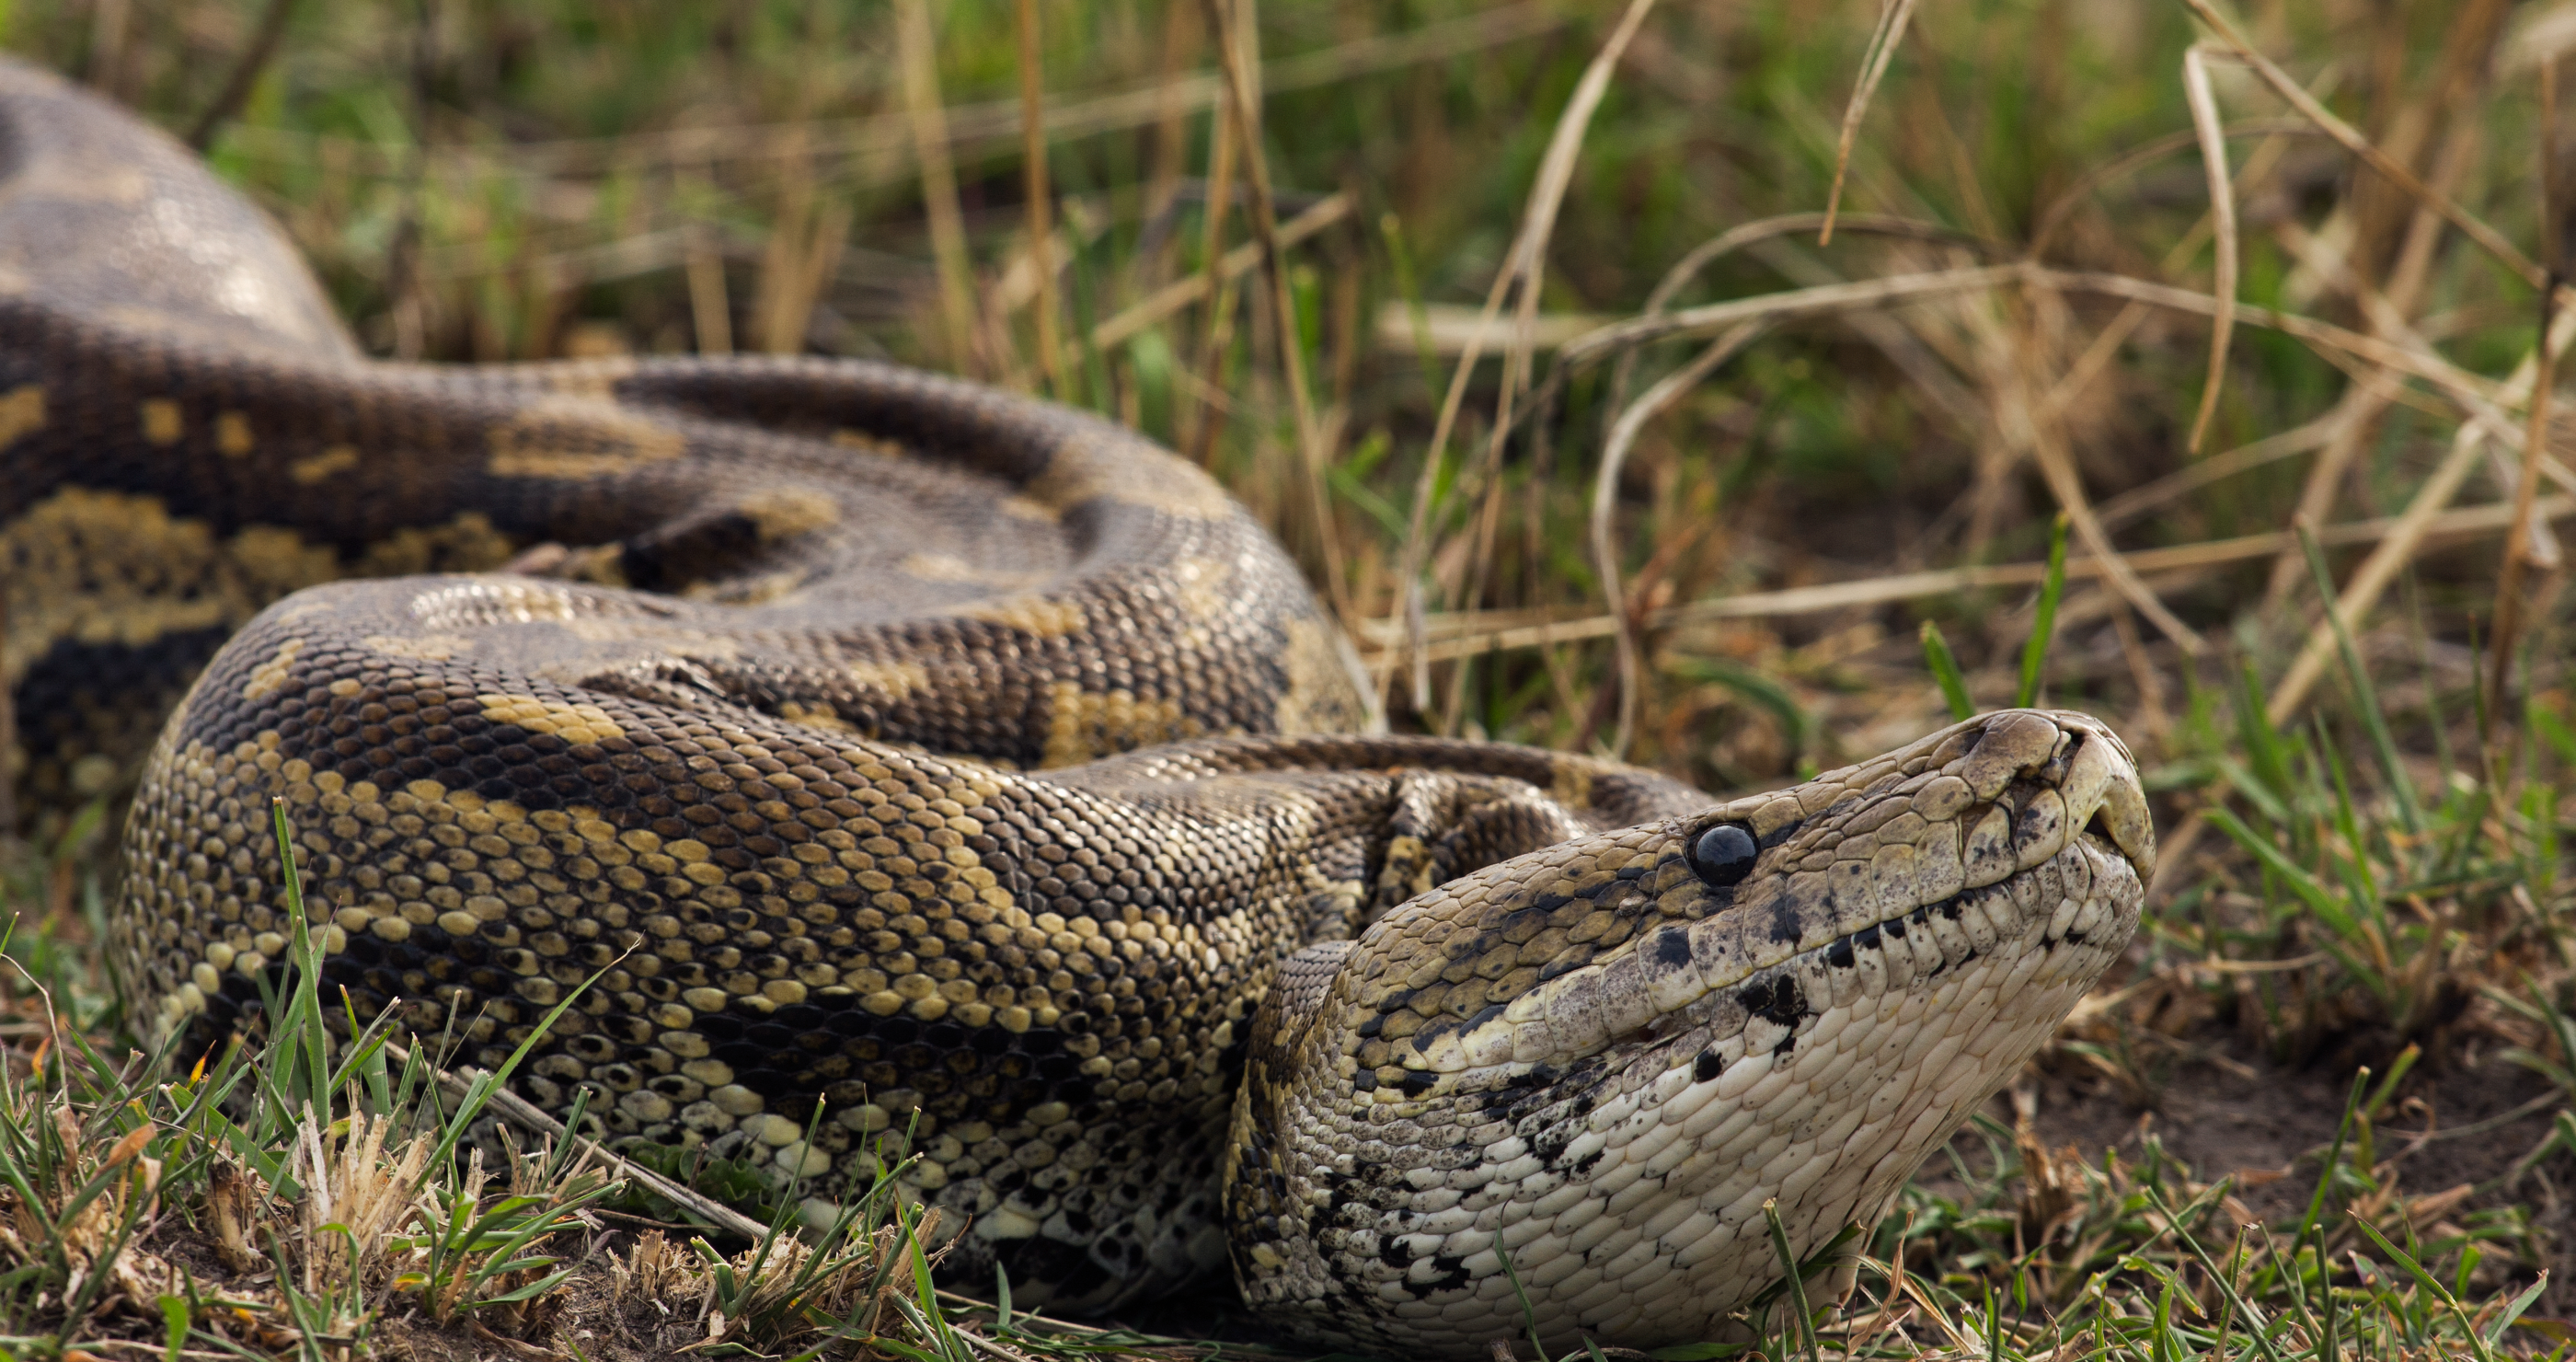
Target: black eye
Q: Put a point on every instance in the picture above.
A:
(1723, 855)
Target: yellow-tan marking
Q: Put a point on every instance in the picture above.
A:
(336, 459)
(572, 439)
(270, 676)
(162, 422)
(574, 723)
(1041, 616)
(22, 413)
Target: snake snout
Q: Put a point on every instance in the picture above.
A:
(2095, 780)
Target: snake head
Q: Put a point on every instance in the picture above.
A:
(1605, 1057)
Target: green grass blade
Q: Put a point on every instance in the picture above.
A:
(1944, 667)
(1792, 1278)
(2043, 624)
(2365, 697)
(2431, 1285)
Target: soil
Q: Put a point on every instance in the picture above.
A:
(2227, 1109)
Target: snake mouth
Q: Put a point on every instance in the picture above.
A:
(1955, 851)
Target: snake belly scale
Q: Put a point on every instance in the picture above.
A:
(973, 773)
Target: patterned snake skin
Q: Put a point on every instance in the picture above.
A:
(797, 734)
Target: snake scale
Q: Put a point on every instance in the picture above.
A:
(980, 772)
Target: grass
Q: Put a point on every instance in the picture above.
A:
(1760, 504)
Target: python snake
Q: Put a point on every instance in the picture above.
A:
(972, 768)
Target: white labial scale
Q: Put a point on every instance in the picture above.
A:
(1838, 1081)
(1730, 1121)
(1688, 1102)
(1986, 922)
(2041, 829)
(1952, 936)
(1706, 1112)
(1816, 981)
(1640, 1190)
(1514, 1238)
(1544, 1275)
(1869, 972)
(2028, 965)
(1638, 1253)
(2097, 912)
(1987, 854)
(1454, 1220)
(2062, 920)
(1435, 1200)
(1673, 1154)
(1741, 1073)
(1563, 1203)
(1685, 1235)
(1669, 1087)
(1827, 1028)
(1768, 1090)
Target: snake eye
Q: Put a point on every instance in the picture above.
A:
(1723, 855)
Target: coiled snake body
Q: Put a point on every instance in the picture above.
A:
(973, 769)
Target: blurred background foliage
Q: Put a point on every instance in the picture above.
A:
(479, 180)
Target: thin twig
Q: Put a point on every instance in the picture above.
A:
(1898, 288)
(2107, 342)
(2147, 153)
(402, 256)
(1216, 333)
(8, 739)
(1033, 171)
(2361, 409)
(1892, 18)
(2137, 501)
(2222, 210)
(1471, 632)
(1312, 455)
(1172, 298)
(2488, 238)
(1171, 152)
(245, 74)
(1753, 233)
(459, 1084)
(881, 144)
(2519, 543)
(2047, 446)
(1538, 216)
(709, 310)
(1605, 492)
(1528, 268)
(917, 44)
(2398, 548)
(1901, 341)
(1711, 318)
